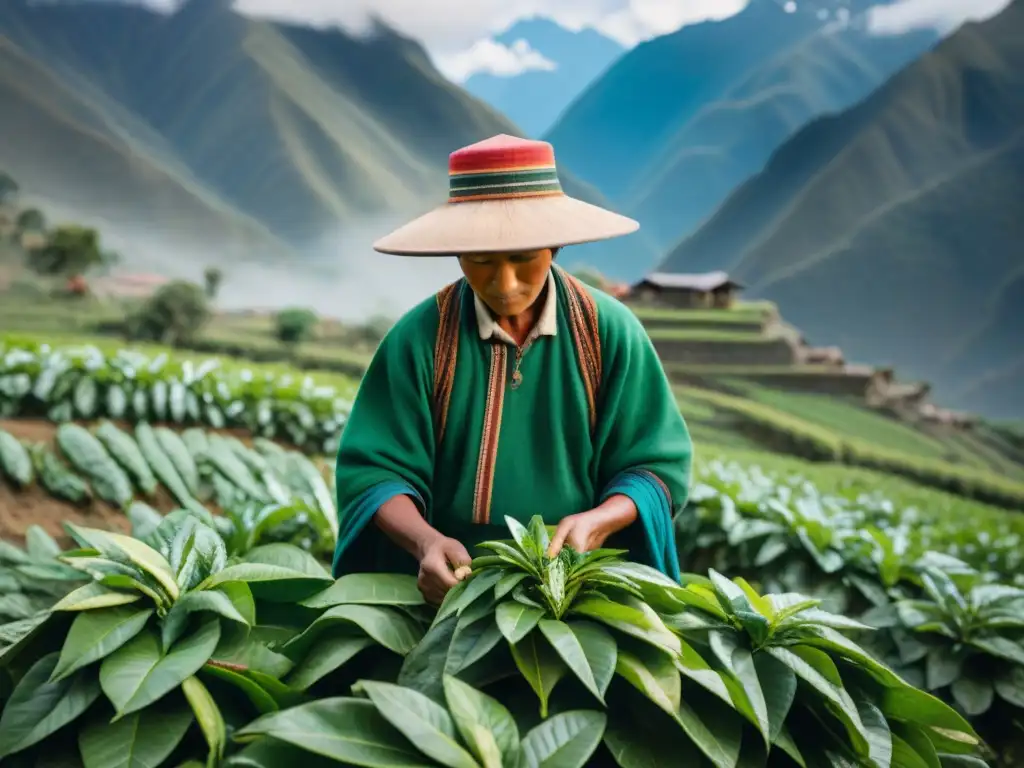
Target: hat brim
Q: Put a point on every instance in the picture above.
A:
(503, 226)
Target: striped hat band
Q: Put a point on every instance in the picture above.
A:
(502, 168)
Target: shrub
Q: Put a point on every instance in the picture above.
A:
(176, 652)
(295, 325)
(173, 315)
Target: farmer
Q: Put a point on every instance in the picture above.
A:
(515, 391)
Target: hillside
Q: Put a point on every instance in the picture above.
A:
(172, 124)
(890, 228)
(732, 137)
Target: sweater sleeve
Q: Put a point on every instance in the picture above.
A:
(644, 450)
(387, 446)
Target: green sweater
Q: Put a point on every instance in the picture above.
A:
(541, 454)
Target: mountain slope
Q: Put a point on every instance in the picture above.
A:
(290, 131)
(534, 99)
(616, 129)
(733, 136)
(891, 228)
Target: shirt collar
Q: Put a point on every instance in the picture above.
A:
(546, 325)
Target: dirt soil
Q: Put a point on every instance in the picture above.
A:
(20, 508)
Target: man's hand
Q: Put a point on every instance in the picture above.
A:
(440, 558)
(589, 530)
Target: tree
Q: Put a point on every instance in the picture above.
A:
(8, 188)
(212, 278)
(69, 250)
(295, 325)
(173, 315)
(31, 220)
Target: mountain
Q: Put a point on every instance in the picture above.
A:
(534, 99)
(732, 137)
(224, 135)
(894, 227)
(670, 129)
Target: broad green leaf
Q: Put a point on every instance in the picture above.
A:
(137, 673)
(368, 589)
(600, 649)
(633, 618)
(258, 697)
(818, 671)
(391, 628)
(918, 741)
(476, 635)
(484, 724)
(653, 673)
(915, 707)
(516, 621)
(566, 645)
(1001, 647)
(145, 557)
(507, 583)
(540, 665)
(254, 573)
(94, 595)
(523, 538)
(420, 668)
(716, 735)
(325, 656)
(638, 740)
(38, 708)
(742, 680)
(94, 635)
(208, 601)
(778, 682)
(1010, 686)
(566, 740)
(973, 694)
(422, 721)
(268, 753)
(141, 740)
(696, 668)
(211, 722)
(942, 667)
(905, 756)
(880, 738)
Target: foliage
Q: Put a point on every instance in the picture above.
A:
(86, 383)
(126, 660)
(177, 651)
(31, 579)
(30, 220)
(212, 279)
(70, 250)
(295, 325)
(938, 588)
(173, 315)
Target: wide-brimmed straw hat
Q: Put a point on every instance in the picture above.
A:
(504, 196)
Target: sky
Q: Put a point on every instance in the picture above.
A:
(458, 33)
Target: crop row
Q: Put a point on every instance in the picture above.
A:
(85, 383)
(194, 467)
(172, 650)
(945, 597)
(815, 443)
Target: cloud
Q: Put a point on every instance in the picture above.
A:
(450, 27)
(494, 58)
(941, 15)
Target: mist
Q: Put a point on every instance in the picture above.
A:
(341, 276)
(338, 274)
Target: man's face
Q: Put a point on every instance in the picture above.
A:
(508, 283)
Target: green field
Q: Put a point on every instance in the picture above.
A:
(755, 416)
